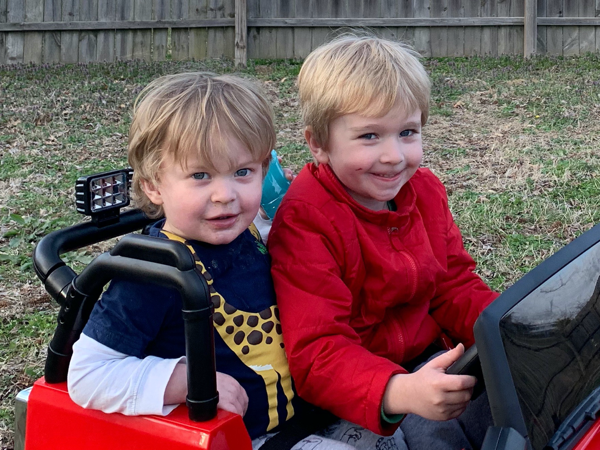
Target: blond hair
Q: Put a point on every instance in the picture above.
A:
(360, 74)
(197, 113)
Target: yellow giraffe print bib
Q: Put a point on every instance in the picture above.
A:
(254, 337)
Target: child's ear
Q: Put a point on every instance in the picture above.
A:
(152, 192)
(317, 149)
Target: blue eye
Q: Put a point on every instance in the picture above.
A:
(406, 133)
(368, 136)
(200, 176)
(242, 173)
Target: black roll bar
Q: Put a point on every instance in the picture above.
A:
(53, 271)
(146, 259)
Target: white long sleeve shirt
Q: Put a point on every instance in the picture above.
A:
(104, 379)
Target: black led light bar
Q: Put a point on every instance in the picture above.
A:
(102, 195)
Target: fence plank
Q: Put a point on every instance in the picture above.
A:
(88, 11)
(355, 8)
(338, 7)
(216, 36)
(285, 36)
(267, 37)
(597, 29)
(124, 38)
(69, 48)
(422, 35)
(456, 35)
(105, 42)
(565, 21)
(554, 35)
(160, 11)
(14, 41)
(180, 38)
(371, 8)
(504, 38)
(3, 11)
(32, 41)
(489, 35)
(472, 34)
(571, 33)
(541, 48)
(389, 8)
(229, 32)
(587, 35)
(439, 35)
(405, 9)
(241, 33)
(52, 13)
(253, 35)
(517, 33)
(323, 9)
(530, 43)
(303, 36)
(332, 22)
(198, 36)
(142, 39)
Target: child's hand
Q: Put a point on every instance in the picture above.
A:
(430, 392)
(232, 396)
(289, 175)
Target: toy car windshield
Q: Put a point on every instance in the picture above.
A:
(540, 344)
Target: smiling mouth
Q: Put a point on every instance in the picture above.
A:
(224, 217)
(387, 175)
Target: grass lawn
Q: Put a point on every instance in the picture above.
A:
(515, 142)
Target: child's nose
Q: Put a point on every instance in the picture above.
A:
(223, 192)
(393, 152)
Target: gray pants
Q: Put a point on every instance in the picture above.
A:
(342, 435)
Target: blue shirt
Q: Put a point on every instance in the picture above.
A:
(141, 319)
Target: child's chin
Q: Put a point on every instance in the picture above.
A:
(219, 240)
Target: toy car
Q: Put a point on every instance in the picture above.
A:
(538, 344)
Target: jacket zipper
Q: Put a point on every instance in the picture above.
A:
(409, 258)
(400, 342)
(413, 268)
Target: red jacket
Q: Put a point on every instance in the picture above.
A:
(361, 291)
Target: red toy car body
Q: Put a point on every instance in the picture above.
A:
(55, 422)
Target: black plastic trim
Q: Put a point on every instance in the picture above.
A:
(158, 251)
(49, 266)
(504, 403)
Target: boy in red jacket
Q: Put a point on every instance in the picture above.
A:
(369, 267)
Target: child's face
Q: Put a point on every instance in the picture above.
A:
(212, 206)
(373, 157)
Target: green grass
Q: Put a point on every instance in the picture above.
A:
(514, 141)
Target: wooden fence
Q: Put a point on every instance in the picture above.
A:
(71, 31)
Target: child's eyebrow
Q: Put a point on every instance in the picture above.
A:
(412, 125)
(370, 126)
(247, 162)
(196, 168)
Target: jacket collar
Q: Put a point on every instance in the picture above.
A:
(405, 199)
